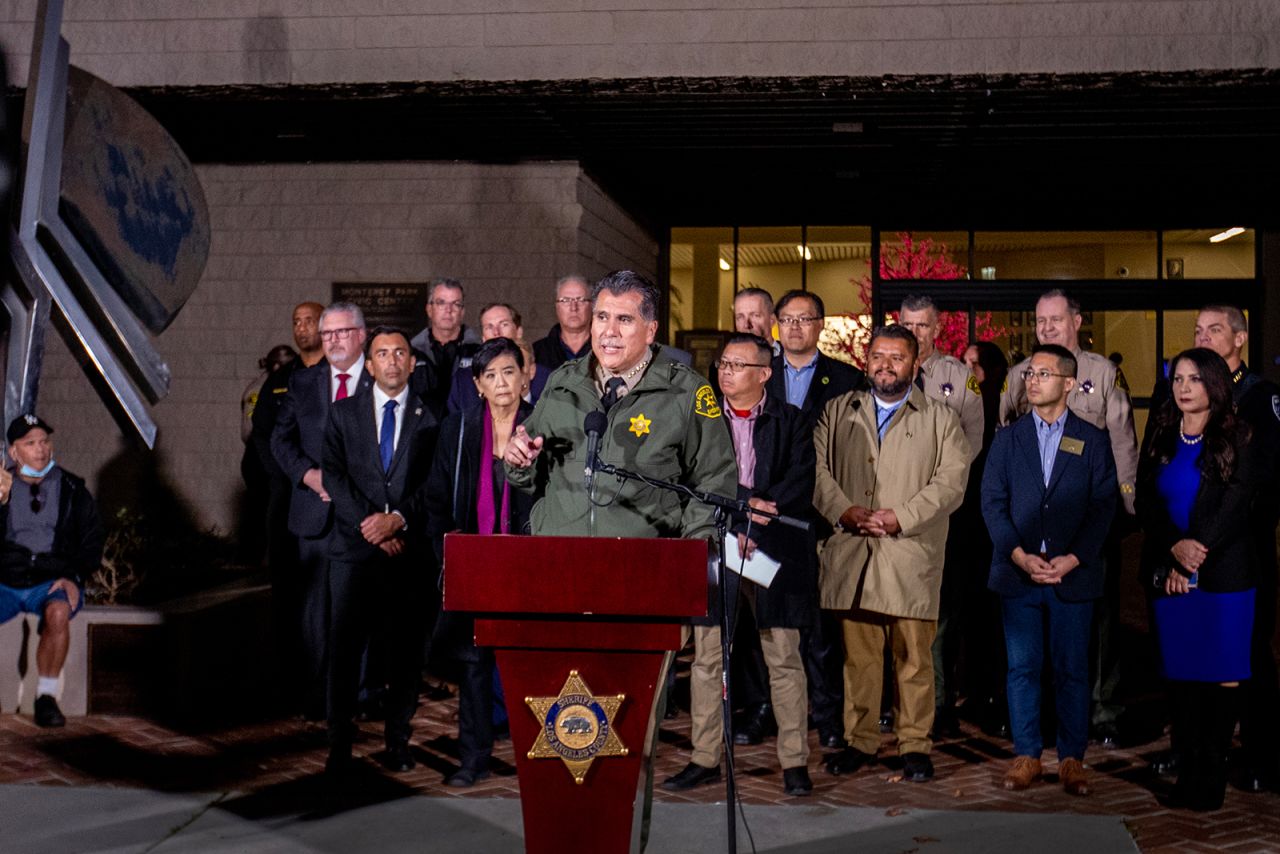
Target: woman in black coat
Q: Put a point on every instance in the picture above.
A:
(468, 492)
(1195, 489)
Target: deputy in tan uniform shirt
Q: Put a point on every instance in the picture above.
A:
(944, 378)
(1100, 397)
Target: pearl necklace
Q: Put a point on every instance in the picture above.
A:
(1190, 440)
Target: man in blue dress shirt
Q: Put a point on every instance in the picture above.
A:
(1048, 495)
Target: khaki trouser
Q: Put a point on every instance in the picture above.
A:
(788, 692)
(865, 636)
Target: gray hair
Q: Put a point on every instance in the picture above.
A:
(344, 308)
(621, 282)
(1073, 305)
(919, 302)
(1235, 317)
(572, 277)
(444, 282)
(761, 293)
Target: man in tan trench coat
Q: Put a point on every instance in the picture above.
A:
(891, 467)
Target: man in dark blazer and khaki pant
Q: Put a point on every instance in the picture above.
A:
(377, 456)
(1048, 495)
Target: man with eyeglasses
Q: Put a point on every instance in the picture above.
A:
(1101, 397)
(443, 345)
(1048, 495)
(297, 442)
(570, 337)
(807, 379)
(775, 474)
(52, 545)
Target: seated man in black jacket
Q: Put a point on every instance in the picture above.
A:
(52, 543)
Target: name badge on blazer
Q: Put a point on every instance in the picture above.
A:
(1071, 446)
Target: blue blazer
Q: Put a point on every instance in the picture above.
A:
(1071, 515)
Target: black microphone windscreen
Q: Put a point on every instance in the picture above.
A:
(596, 422)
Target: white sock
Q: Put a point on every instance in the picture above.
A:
(46, 686)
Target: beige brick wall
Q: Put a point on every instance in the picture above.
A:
(282, 234)
(178, 42)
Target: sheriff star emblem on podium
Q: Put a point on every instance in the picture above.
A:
(577, 726)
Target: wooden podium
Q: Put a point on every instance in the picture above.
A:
(576, 624)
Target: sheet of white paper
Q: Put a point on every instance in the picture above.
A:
(759, 568)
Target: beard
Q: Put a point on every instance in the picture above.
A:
(890, 388)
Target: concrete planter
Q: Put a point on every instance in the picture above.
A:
(182, 660)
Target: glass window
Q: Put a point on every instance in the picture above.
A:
(701, 277)
(839, 268)
(768, 258)
(1210, 253)
(1065, 254)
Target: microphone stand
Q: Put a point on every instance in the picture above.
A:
(723, 506)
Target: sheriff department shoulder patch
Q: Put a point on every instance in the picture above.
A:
(972, 384)
(704, 402)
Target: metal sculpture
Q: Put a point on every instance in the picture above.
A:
(111, 228)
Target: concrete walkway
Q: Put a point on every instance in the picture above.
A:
(387, 819)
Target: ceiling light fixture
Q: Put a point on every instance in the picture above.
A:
(1226, 235)
(725, 265)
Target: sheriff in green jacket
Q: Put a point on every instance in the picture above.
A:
(665, 424)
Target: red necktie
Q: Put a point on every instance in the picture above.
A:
(342, 387)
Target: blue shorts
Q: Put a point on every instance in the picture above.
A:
(31, 600)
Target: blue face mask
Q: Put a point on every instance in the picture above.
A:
(28, 471)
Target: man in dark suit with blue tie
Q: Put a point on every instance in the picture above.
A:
(377, 456)
(1048, 495)
(297, 441)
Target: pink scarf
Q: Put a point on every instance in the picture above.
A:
(484, 487)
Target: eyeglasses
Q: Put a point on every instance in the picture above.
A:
(444, 303)
(572, 302)
(1042, 375)
(35, 498)
(735, 367)
(797, 320)
(340, 334)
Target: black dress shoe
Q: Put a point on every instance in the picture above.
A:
(1107, 734)
(946, 724)
(832, 739)
(339, 762)
(759, 726)
(848, 760)
(47, 713)
(465, 777)
(1165, 763)
(398, 759)
(692, 775)
(917, 767)
(796, 782)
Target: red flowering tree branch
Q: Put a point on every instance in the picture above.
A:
(913, 259)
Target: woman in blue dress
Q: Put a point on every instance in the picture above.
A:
(1195, 487)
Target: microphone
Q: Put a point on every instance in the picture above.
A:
(593, 426)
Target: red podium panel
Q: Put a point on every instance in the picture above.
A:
(609, 610)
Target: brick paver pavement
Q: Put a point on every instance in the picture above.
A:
(268, 758)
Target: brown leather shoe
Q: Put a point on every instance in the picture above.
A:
(1074, 779)
(1024, 771)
